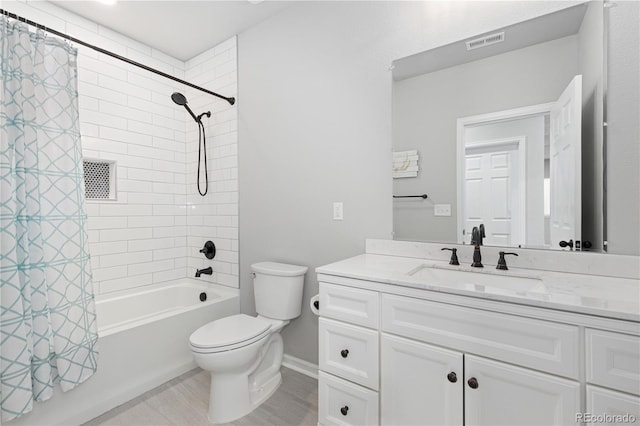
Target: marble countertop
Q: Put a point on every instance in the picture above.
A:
(610, 297)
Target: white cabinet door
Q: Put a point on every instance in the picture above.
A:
(611, 407)
(420, 384)
(502, 394)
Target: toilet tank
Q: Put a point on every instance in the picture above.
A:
(278, 289)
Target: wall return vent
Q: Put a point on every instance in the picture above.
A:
(485, 41)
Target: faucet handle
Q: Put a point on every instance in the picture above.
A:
(209, 250)
(454, 255)
(502, 263)
(564, 244)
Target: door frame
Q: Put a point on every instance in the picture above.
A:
(473, 120)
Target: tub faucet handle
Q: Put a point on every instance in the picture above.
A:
(209, 250)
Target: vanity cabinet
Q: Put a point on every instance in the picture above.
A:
(417, 357)
(423, 384)
(427, 385)
(348, 380)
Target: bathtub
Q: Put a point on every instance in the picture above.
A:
(144, 342)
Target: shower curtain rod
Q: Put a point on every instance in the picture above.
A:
(231, 100)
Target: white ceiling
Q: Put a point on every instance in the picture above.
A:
(181, 29)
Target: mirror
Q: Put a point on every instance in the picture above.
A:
(503, 133)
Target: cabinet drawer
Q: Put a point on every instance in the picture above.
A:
(353, 305)
(538, 344)
(605, 402)
(613, 360)
(344, 403)
(349, 351)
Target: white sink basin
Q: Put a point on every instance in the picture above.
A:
(482, 279)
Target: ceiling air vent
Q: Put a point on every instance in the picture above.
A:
(485, 41)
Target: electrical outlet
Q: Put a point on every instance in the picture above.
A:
(442, 210)
(338, 211)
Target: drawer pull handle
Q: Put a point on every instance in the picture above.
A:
(344, 353)
(452, 377)
(344, 410)
(473, 383)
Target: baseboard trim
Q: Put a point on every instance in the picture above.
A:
(300, 365)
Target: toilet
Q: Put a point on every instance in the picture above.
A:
(242, 353)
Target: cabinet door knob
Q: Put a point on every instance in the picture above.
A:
(344, 410)
(452, 377)
(473, 383)
(344, 353)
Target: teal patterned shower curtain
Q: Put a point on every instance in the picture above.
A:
(47, 319)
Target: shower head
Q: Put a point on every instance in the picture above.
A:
(179, 99)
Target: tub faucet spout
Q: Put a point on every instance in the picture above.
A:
(205, 271)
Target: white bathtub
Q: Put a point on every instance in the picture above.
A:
(144, 342)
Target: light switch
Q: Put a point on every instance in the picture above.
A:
(338, 212)
(442, 210)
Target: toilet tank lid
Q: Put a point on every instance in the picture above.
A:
(279, 269)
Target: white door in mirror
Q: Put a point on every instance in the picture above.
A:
(565, 162)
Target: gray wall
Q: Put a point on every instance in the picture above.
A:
(623, 130)
(315, 127)
(425, 113)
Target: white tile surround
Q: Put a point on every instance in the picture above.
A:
(153, 232)
(215, 216)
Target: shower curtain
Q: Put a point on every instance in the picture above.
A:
(47, 319)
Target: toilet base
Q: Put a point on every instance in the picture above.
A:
(234, 395)
(233, 410)
(261, 394)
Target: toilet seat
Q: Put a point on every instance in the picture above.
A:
(229, 333)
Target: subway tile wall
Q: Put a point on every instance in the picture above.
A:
(153, 232)
(214, 216)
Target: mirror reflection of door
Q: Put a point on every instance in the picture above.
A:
(566, 155)
(494, 190)
(519, 173)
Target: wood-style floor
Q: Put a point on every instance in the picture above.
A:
(184, 401)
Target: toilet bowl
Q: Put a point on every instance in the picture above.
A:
(243, 353)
